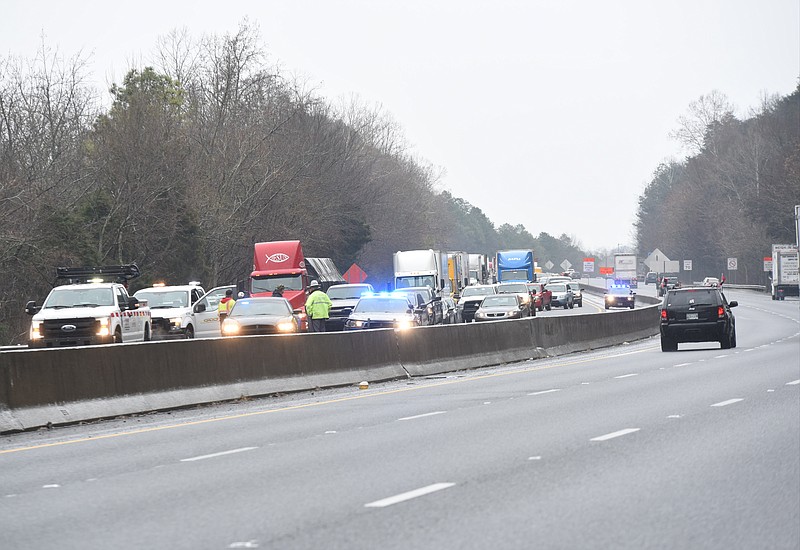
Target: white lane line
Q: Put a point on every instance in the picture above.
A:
(626, 375)
(402, 497)
(720, 356)
(612, 435)
(544, 391)
(51, 486)
(421, 415)
(683, 364)
(223, 453)
(728, 402)
(793, 383)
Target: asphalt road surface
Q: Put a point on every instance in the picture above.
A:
(624, 447)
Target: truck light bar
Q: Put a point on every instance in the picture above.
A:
(116, 273)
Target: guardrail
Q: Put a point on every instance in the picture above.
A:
(62, 386)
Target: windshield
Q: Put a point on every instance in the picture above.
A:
(79, 297)
(381, 305)
(246, 308)
(478, 291)
(515, 275)
(557, 287)
(162, 300)
(420, 280)
(512, 288)
(619, 291)
(345, 292)
(268, 283)
(492, 301)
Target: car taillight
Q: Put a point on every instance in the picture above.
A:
(663, 314)
(720, 312)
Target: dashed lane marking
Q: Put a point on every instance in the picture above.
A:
(402, 497)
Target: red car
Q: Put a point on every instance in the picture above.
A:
(541, 296)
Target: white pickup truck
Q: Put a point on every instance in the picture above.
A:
(84, 313)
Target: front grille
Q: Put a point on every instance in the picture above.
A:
(84, 328)
(258, 329)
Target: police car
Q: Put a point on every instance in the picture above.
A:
(384, 310)
(619, 296)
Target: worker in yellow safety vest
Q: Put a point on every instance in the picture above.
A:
(225, 306)
(318, 307)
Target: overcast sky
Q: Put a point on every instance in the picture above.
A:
(551, 114)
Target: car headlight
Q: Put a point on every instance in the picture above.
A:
(104, 329)
(286, 326)
(36, 330)
(176, 321)
(354, 323)
(403, 324)
(230, 327)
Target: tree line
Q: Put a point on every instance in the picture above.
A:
(733, 196)
(200, 154)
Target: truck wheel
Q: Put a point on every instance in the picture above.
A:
(189, 334)
(146, 332)
(118, 336)
(733, 339)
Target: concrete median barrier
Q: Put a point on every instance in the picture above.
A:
(52, 387)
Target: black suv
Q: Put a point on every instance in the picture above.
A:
(699, 314)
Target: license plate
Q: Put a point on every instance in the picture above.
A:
(691, 316)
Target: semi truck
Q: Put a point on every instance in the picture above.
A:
(515, 265)
(625, 270)
(416, 268)
(283, 263)
(785, 277)
(457, 271)
(478, 269)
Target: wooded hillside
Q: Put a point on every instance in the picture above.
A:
(734, 196)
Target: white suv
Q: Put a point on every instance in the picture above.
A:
(168, 306)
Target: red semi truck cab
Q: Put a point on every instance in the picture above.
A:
(280, 263)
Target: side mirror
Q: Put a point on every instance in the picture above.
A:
(199, 308)
(133, 303)
(733, 303)
(437, 299)
(294, 311)
(31, 308)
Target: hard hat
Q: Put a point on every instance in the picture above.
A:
(313, 284)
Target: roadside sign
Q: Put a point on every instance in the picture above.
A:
(565, 265)
(655, 261)
(549, 265)
(687, 265)
(732, 264)
(355, 275)
(606, 270)
(767, 263)
(588, 265)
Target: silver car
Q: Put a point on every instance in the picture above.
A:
(562, 295)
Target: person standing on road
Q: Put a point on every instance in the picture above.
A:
(318, 307)
(225, 306)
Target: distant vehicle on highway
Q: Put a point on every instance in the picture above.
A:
(471, 299)
(620, 296)
(699, 314)
(577, 293)
(502, 306)
(261, 315)
(710, 281)
(521, 289)
(168, 306)
(423, 298)
(562, 294)
(651, 278)
(541, 296)
(449, 311)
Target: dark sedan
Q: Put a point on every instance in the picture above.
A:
(260, 316)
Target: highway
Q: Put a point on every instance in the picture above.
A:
(624, 447)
